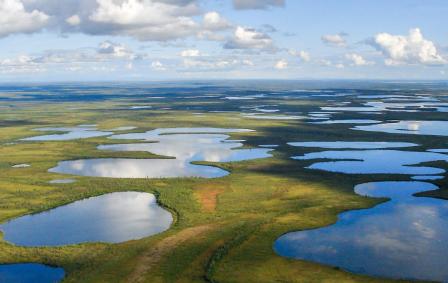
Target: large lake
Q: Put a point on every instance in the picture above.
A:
(112, 218)
(181, 145)
(405, 237)
(376, 161)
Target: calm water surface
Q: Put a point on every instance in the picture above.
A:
(402, 238)
(435, 128)
(274, 117)
(353, 121)
(427, 178)
(69, 133)
(62, 181)
(177, 143)
(112, 218)
(30, 273)
(351, 145)
(136, 168)
(376, 161)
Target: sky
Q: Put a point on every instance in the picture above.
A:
(145, 40)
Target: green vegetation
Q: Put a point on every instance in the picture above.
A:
(224, 228)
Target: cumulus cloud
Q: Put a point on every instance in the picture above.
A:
(303, 55)
(328, 63)
(214, 63)
(209, 64)
(15, 19)
(214, 21)
(407, 49)
(190, 53)
(158, 66)
(107, 56)
(115, 50)
(146, 20)
(70, 59)
(281, 64)
(249, 38)
(257, 4)
(338, 40)
(247, 62)
(20, 64)
(357, 60)
(73, 20)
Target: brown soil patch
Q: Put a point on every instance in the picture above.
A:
(207, 195)
(208, 199)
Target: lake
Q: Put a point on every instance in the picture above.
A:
(30, 273)
(111, 218)
(403, 238)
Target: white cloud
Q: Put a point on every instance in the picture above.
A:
(325, 63)
(15, 19)
(357, 59)
(145, 20)
(190, 53)
(257, 4)
(157, 65)
(106, 57)
(210, 35)
(248, 38)
(335, 39)
(73, 20)
(281, 64)
(328, 63)
(214, 63)
(19, 60)
(73, 68)
(69, 59)
(248, 62)
(303, 55)
(410, 49)
(214, 21)
(210, 64)
(20, 64)
(114, 49)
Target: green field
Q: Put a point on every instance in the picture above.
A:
(224, 228)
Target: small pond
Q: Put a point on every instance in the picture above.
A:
(353, 121)
(140, 107)
(69, 133)
(273, 117)
(62, 181)
(21, 166)
(30, 273)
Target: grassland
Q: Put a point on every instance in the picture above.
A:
(224, 228)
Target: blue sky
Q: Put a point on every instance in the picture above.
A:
(77, 40)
